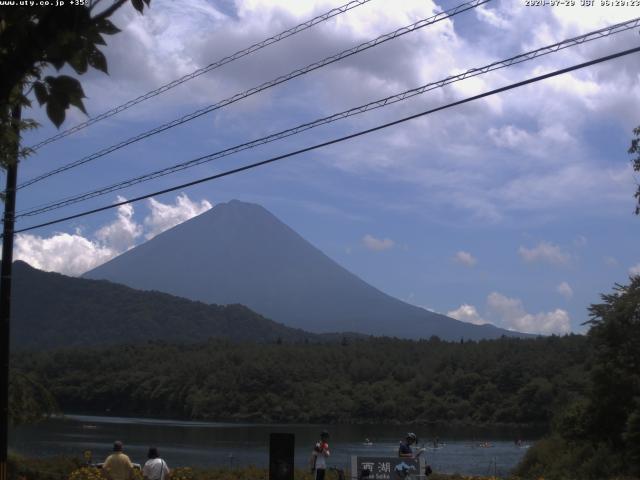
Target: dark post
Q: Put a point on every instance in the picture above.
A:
(5, 293)
(281, 456)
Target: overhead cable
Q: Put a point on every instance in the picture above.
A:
(336, 140)
(201, 71)
(272, 83)
(523, 57)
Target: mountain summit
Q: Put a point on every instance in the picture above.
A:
(240, 253)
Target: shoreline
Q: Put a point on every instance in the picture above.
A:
(134, 418)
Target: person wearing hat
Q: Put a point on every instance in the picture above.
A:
(118, 466)
(405, 450)
(319, 456)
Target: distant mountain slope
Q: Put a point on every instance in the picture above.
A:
(51, 310)
(240, 253)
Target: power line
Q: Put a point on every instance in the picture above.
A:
(247, 93)
(523, 57)
(338, 140)
(201, 71)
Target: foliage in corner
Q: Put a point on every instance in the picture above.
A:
(599, 437)
(635, 149)
(38, 39)
(33, 40)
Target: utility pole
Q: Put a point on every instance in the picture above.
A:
(5, 290)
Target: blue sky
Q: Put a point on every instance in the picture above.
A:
(515, 210)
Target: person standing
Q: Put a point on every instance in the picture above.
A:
(118, 466)
(405, 450)
(155, 468)
(319, 456)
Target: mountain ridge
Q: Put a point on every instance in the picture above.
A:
(78, 312)
(239, 252)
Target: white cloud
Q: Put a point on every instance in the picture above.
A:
(165, 216)
(492, 17)
(122, 234)
(62, 253)
(510, 136)
(377, 244)
(540, 144)
(610, 261)
(592, 16)
(467, 313)
(507, 308)
(465, 258)
(544, 123)
(509, 313)
(580, 241)
(166, 48)
(635, 270)
(565, 290)
(513, 316)
(75, 254)
(544, 252)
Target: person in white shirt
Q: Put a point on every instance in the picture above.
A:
(155, 468)
(319, 456)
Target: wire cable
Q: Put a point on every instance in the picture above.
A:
(201, 71)
(337, 140)
(520, 58)
(284, 78)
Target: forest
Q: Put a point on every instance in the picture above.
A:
(504, 381)
(598, 436)
(584, 390)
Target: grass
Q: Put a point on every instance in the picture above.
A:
(69, 468)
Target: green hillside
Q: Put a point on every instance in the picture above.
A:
(51, 311)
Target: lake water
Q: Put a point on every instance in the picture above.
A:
(205, 444)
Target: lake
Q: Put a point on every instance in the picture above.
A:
(206, 444)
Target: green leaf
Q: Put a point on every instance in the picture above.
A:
(24, 101)
(98, 61)
(77, 102)
(138, 5)
(55, 111)
(29, 124)
(107, 27)
(78, 62)
(64, 91)
(57, 63)
(55, 56)
(94, 37)
(64, 84)
(41, 92)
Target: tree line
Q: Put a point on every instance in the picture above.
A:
(505, 381)
(598, 435)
